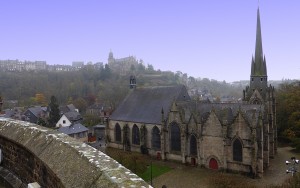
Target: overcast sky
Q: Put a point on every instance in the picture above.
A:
(208, 39)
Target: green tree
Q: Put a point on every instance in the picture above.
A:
(288, 108)
(54, 112)
(41, 122)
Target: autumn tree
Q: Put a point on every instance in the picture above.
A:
(40, 99)
(288, 112)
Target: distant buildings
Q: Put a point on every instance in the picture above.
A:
(78, 64)
(77, 131)
(122, 65)
(19, 66)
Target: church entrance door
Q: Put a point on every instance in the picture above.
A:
(213, 164)
(193, 161)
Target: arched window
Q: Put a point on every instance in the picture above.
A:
(135, 135)
(237, 150)
(193, 145)
(155, 138)
(175, 137)
(118, 133)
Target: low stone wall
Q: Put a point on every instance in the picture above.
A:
(37, 154)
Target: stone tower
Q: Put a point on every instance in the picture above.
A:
(111, 58)
(258, 77)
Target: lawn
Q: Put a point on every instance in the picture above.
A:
(156, 169)
(138, 163)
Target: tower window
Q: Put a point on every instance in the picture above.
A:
(261, 79)
(252, 79)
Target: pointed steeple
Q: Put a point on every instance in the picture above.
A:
(252, 66)
(259, 63)
(259, 77)
(265, 65)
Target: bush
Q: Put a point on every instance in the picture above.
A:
(296, 144)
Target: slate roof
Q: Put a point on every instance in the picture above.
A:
(227, 112)
(73, 116)
(96, 106)
(73, 129)
(9, 113)
(37, 110)
(99, 106)
(144, 105)
(67, 108)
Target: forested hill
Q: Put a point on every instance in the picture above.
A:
(89, 85)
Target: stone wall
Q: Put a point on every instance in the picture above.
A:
(53, 159)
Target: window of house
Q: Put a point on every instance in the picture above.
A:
(155, 138)
(135, 135)
(118, 133)
(193, 145)
(64, 121)
(81, 135)
(261, 79)
(175, 137)
(237, 150)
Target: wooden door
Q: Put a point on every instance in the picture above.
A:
(213, 164)
(193, 161)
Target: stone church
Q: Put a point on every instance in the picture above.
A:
(236, 137)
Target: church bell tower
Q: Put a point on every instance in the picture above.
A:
(258, 77)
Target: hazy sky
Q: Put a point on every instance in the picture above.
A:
(208, 39)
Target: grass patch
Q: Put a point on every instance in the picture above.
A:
(138, 163)
(157, 170)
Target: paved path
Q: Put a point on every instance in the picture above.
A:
(184, 176)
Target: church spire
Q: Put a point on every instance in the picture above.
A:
(259, 65)
(259, 77)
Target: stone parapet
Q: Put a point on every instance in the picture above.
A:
(53, 159)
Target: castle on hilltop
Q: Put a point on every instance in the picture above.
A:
(121, 65)
(164, 122)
